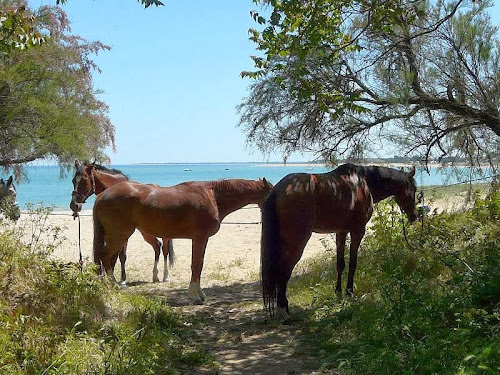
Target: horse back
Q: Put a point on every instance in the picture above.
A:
(180, 211)
(325, 202)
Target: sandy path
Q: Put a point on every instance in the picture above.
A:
(231, 325)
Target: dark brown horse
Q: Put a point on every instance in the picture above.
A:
(192, 210)
(91, 178)
(339, 201)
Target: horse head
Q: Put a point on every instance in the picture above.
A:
(8, 199)
(406, 198)
(266, 190)
(83, 185)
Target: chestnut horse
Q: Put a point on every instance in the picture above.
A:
(192, 210)
(339, 201)
(91, 178)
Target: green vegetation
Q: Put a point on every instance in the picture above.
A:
(49, 106)
(427, 303)
(56, 319)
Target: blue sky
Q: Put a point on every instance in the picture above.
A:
(171, 79)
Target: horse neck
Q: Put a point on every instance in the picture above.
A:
(104, 180)
(381, 185)
(232, 195)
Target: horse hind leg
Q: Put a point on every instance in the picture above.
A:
(156, 245)
(340, 242)
(356, 238)
(123, 260)
(168, 257)
(295, 249)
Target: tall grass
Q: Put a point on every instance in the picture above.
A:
(427, 302)
(58, 319)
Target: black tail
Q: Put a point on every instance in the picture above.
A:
(270, 253)
(98, 238)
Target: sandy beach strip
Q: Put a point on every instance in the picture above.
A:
(232, 254)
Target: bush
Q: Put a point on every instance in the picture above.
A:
(428, 297)
(56, 318)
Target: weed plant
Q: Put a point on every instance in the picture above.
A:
(427, 296)
(58, 319)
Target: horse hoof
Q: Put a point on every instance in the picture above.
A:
(156, 280)
(283, 316)
(198, 301)
(166, 279)
(123, 285)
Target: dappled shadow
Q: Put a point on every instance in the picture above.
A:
(233, 326)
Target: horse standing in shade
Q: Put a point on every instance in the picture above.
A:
(91, 178)
(8, 199)
(192, 210)
(339, 201)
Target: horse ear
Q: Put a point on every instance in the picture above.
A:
(77, 164)
(9, 181)
(267, 183)
(412, 172)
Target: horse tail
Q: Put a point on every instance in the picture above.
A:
(98, 237)
(270, 253)
(171, 254)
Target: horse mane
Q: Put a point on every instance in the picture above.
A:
(232, 184)
(112, 171)
(376, 175)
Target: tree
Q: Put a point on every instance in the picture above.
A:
(146, 3)
(48, 104)
(17, 31)
(340, 77)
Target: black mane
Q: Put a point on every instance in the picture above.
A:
(110, 170)
(378, 178)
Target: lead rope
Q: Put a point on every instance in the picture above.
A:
(80, 261)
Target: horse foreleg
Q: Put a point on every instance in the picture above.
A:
(123, 259)
(156, 245)
(197, 257)
(340, 242)
(356, 237)
(106, 269)
(168, 252)
(114, 246)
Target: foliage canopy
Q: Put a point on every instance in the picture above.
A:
(342, 77)
(48, 104)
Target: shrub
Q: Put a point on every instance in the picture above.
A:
(428, 296)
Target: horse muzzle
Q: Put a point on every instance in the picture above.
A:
(75, 207)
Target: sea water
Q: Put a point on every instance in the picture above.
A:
(45, 186)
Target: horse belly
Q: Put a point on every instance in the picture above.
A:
(339, 216)
(177, 223)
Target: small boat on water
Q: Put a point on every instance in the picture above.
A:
(187, 170)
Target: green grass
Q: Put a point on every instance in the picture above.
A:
(425, 304)
(56, 319)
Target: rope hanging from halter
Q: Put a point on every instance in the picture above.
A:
(80, 261)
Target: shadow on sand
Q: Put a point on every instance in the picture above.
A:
(233, 326)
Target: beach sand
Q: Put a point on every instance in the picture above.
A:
(232, 254)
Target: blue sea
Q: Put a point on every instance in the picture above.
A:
(45, 185)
